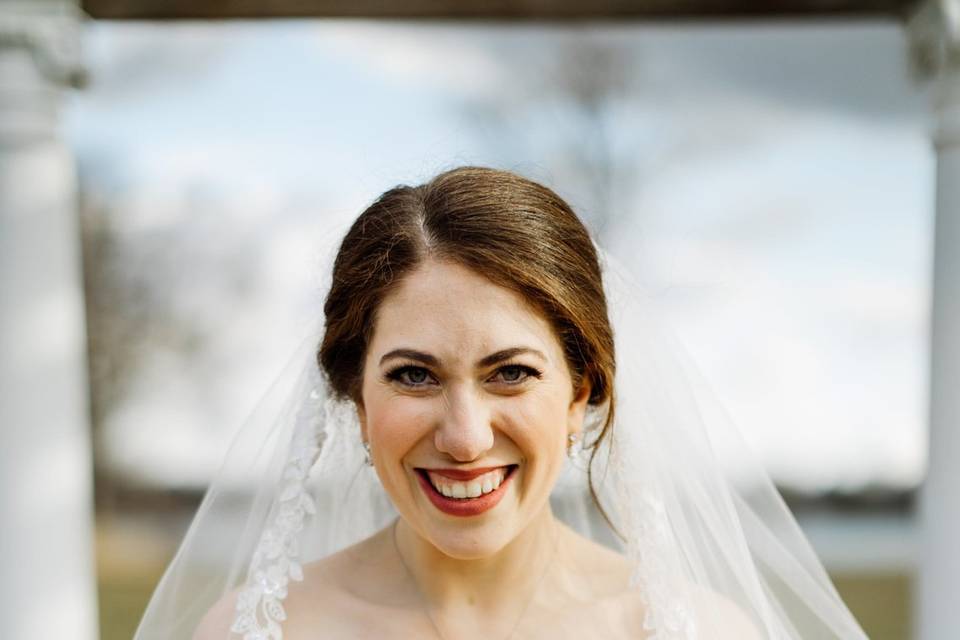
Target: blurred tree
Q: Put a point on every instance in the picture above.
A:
(562, 100)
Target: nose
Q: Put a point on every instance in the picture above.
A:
(464, 432)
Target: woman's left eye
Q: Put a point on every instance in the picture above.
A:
(516, 373)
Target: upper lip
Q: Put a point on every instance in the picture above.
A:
(464, 474)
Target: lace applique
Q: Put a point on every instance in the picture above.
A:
(668, 615)
(259, 608)
(651, 548)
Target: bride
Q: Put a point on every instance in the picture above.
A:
(530, 473)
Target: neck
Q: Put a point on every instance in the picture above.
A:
(500, 583)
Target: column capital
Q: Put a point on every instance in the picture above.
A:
(934, 33)
(39, 58)
(49, 30)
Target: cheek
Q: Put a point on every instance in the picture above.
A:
(394, 427)
(539, 428)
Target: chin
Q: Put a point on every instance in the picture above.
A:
(471, 542)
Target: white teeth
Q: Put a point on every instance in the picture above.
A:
(472, 489)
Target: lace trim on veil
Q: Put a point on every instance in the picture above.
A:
(259, 609)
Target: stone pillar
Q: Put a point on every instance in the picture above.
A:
(47, 584)
(935, 39)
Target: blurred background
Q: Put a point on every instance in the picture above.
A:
(771, 178)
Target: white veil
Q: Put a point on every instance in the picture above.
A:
(703, 526)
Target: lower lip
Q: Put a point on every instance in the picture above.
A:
(468, 506)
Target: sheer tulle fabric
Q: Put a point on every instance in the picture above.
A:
(701, 523)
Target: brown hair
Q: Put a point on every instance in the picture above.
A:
(515, 232)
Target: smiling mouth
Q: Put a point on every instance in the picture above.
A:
(465, 495)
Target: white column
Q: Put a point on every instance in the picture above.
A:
(935, 32)
(47, 584)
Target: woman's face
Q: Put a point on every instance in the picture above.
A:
(467, 403)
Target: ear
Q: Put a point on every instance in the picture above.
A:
(578, 408)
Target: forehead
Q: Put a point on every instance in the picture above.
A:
(454, 312)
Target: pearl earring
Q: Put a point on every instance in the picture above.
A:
(367, 456)
(573, 448)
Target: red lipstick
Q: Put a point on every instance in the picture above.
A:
(464, 507)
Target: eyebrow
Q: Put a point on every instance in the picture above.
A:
(486, 361)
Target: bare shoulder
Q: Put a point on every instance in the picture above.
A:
(334, 594)
(723, 618)
(218, 620)
(321, 591)
(718, 617)
(609, 575)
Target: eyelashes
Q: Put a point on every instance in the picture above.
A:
(522, 371)
(409, 376)
(417, 377)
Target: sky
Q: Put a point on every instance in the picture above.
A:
(770, 184)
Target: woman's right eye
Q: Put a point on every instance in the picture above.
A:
(410, 376)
